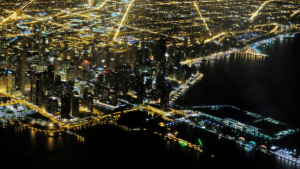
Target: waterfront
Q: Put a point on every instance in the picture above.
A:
(109, 146)
(264, 86)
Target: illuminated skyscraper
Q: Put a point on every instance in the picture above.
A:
(66, 105)
(161, 45)
(23, 71)
(165, 93)
(28, 87)
(2, 80)
(75, 104)
(11, 82)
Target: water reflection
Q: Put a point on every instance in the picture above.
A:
(32, 136)
(50, 144)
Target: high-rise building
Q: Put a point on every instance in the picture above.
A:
(23, 71)
(165, 93)
(2, 80)
(71, 74)
(42, 102)
(11, 82)
(75, 104)
(85, 101)
(66, 105)
(162, 53)
(36, 88)
(91, 103)
(28, 86)
(51, 105)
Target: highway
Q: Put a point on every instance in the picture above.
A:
(202, 18)
(123, 19)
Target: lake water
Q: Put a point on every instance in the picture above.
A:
(269, 86)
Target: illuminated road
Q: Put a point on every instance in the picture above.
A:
(8, 103)
(16, 12)
(123, 19)
(202, 17)
(294, 13)
(260, 8)
(273, 30)
(215, 37)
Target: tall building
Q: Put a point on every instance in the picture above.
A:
(85, 101)
(51, 105)
(71, 74)
(91, 103)
(75, 104)
(23, 71)
(166, 89)
(36, 88)
(66, 105)
(2, 80)
(161, 45)
(42, 102)
(11, 82)
(28, 86)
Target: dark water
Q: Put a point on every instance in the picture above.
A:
(107, 146)
(269, 86)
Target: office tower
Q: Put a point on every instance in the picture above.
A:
(58, 67)
(28, 86)
(66, 105)
(51, 105)
(99, 85)
(112, 96)
(84, 101)
(166, 89)
(63, 76)
(11, 82)
(140, 89)
(36, 88)
(139, 56)
(2, 59)
(57, 80)
(42, 102)
(2, 80)
(71, 74)
(161, 53)
(75, 104)
(23, 71)
(108, 58)
(86, 65)
(69, 86)
(90, 103)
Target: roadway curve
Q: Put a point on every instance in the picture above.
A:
(261, 7)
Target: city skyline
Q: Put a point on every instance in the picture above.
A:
(68, 65)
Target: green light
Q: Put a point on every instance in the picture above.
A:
(200, 142)
(253, 142)
(182, 144)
